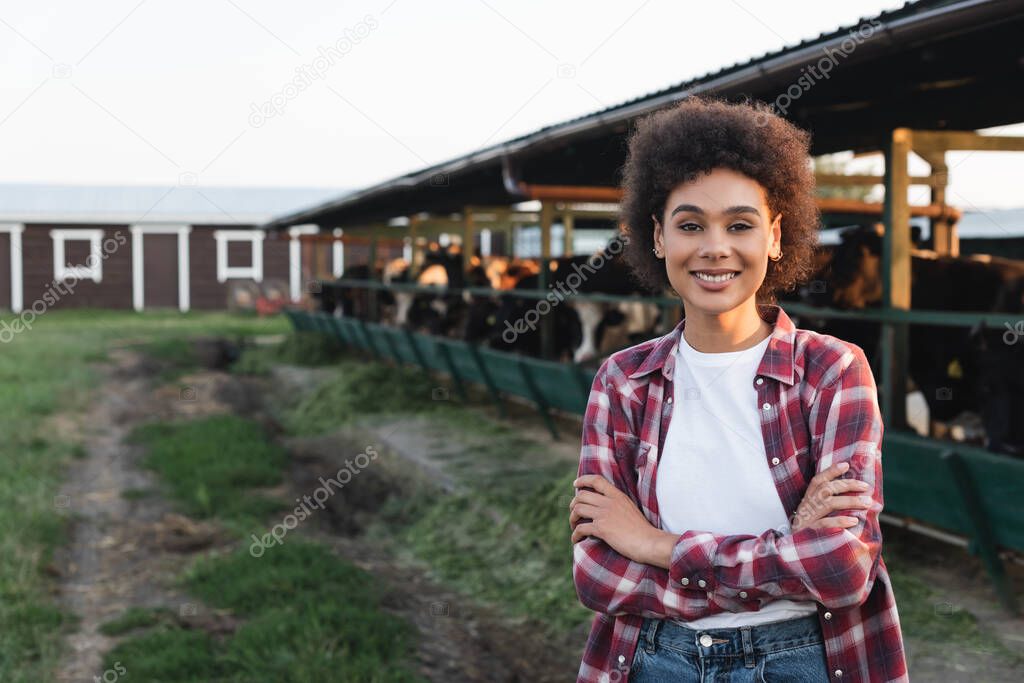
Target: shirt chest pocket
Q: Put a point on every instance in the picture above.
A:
(631, 450)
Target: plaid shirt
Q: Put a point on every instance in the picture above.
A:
(818, 404)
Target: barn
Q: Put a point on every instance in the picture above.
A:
(183, 247)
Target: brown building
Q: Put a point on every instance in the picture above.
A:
(144, 247)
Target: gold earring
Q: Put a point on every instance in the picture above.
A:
(776, 258)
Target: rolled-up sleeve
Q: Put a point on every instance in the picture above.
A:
(607, 581)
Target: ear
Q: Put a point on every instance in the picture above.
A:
(657, 229)
(776, 245)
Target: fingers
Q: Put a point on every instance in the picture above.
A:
(842, 522)
(847, 485)
(594, 481)
(847, 502)
(581, 532)
(582, 511)
(829, 473)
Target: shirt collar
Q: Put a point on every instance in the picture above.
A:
(778, 361)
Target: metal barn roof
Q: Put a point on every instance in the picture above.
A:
(31, 203)
(931, 64)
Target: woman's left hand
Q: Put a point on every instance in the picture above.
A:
(615, 518)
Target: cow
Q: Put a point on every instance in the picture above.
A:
(582, 331)
(947, 364)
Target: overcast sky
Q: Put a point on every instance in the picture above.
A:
(159, 92)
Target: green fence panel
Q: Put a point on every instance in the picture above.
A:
(504, 369)
(462, 360)
(560, 385)
(1000, 483)
(396, 344)
(916, 484)
(432, 355)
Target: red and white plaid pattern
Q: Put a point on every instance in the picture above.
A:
(818, 405)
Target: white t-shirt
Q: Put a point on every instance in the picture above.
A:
(713, 474)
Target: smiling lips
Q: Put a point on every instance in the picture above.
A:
(714, 279)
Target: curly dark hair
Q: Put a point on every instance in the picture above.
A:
(698, 135)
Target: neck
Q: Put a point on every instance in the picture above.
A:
(733, 330)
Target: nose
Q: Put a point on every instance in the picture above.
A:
(714, 244)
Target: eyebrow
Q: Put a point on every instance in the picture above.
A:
(693, 208)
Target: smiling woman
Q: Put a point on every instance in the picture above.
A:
(710, 531)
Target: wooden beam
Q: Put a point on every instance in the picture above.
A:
(571, 193)
(839, 205)
(839, 180)
(964, 140)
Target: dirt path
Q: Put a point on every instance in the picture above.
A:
(123, 551)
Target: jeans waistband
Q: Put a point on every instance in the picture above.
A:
(740, 641)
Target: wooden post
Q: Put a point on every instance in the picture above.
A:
(944, 238)
(896, 267)
(417, 251)
(372, 276)
(547, 340)
(568, 220)
(467, 238)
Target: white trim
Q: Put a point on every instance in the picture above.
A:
(17, 294)
(79, 272)
(138, 262)
(253, 272)
(295, 257)
(338, 262)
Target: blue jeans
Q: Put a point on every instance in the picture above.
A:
(789, 650)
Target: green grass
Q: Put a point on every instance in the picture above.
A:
(210, 465)
(307, 616)
(358, 388)
(298, 348)
(136, 618)
(44, 370)
(933, 620)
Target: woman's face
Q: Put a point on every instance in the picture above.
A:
(716, 236)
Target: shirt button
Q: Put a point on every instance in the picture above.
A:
(702, 583)
(622, 658)
(743, 594)
(766, 406)
(705, 640)
(760, 380)
(685, 581)
(828, 615)
(775, 461)
(669, 399)
(839, 673)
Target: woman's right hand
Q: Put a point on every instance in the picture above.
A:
(823, 497)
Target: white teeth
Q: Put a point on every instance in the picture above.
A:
(715, 278)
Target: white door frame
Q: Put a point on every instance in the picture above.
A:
(295, 257)
(17, 294)
(138, 263)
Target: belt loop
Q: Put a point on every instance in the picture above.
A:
(748, 647)
(652, 631)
